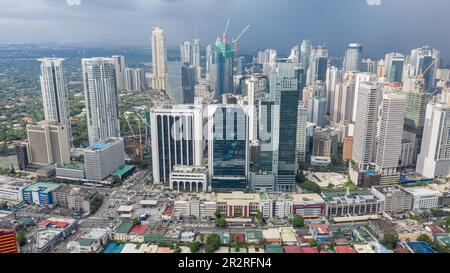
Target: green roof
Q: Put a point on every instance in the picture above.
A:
(73, 166)
(443, 239)
(263, 196)
(44, 187)
(120, 172)
(85, 242)
(241, 250)
(24, 220)
(156, 238)
(274, 248)
(253, 234)
(125, 227)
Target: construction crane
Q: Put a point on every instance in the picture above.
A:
(234, 41)
(421, 76)
(224, 35)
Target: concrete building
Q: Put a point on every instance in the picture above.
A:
(72, 171)
(238, 204)
(159, 59)
(189, 178)
(77, 199)
(177, 139)
(104, 158)
(424, 198)
(55, 96)
(348, 148)
(342, 204)
(119, 67)
(11, 189)
(100, 91)
(395, 198)
(39, 193)
(308, 205)
(434, 157)
(390, 133)
(353, 57)
(48, 143)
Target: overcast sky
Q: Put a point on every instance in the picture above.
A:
(394, 25)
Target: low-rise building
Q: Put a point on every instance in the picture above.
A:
(320, 232)
(200, 206)
(189, 178)
(395, 198)
(78, 199)
(424, 198)
(362, 202)
(308, 205)
(11, 189)
(52, 231)
(238, 204)
(275, 204)
(71, 171)
(39, 193)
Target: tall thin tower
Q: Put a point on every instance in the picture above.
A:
(159, 59)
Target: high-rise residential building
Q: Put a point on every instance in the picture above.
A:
(159, 59)
(360, 77)
(177, 139)
(257, 88)
(322, 142)
(301, 133)
(318, 64)
(228, 160)
(390, 132)
(317, 108)
(343, 100)
(103, 158)
(48, 143)
(196, 59)
(284, 93)
(135, 79)
(188, 83)
(434, 157)
(119, 65)
(394, 63)
(353, 57)
(269, 61)
(129, 79)
(54, 93)
(334, 76)
(223, 64)
(186, 52)
(100, 92)
(209, 71)
(366, 124)
(305, 54)
(425, 60)
(295, 54)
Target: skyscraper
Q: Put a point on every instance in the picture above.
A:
(284, 92)
(54, 93)
(186, 52)
(100, 92)
(425, 60)
(366, 124)
(176, 139)
(224, 58)
(353, 57)
(196, 59)
(318, 65)
(394, 63)
(390, 132)
(434, 157)
(188, 83)
(301, 133)
(119, 65)
(227, 147)
(159, 59)
(305, 54)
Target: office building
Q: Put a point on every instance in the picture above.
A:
(39, 193)
(424, 198)
(104, 158)
(177, 139)
(318, 65)
(189, 178)
(366, 124)
(188, 83)
(48, 143)
(186, 52)
(305, 54)
(159, 59)
(302, 140)
(352, 203)
(227, 147)
(100, 91)
(119, 66)
(284, 93)
(317, 108)
(238, 204)
(395, 198)
(360, 77)
(434, 157)
(353, 57)
(196, 60)
(55, 96)
(390, 134)
(394, 63)
(425, 61)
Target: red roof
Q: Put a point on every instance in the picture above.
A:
(309, 250)
(59, 224)
(139, 229)
(236, 235)
(302, 239)
(168, 211)
(434, 229)
(324, 251)
(321, 228)
(344, 249)
(292, 249)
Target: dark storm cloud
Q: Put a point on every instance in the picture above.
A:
(394, 25)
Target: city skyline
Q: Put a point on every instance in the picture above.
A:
(57, 21)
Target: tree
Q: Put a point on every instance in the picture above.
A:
(221, 222)
(259, 216)
(310, 186)
(21, 238)
(298, 221)
(218, 214)
(212, 242)
(136, 222)
(389, 240)
(194, 246)
(447, 221)
(177, 249)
